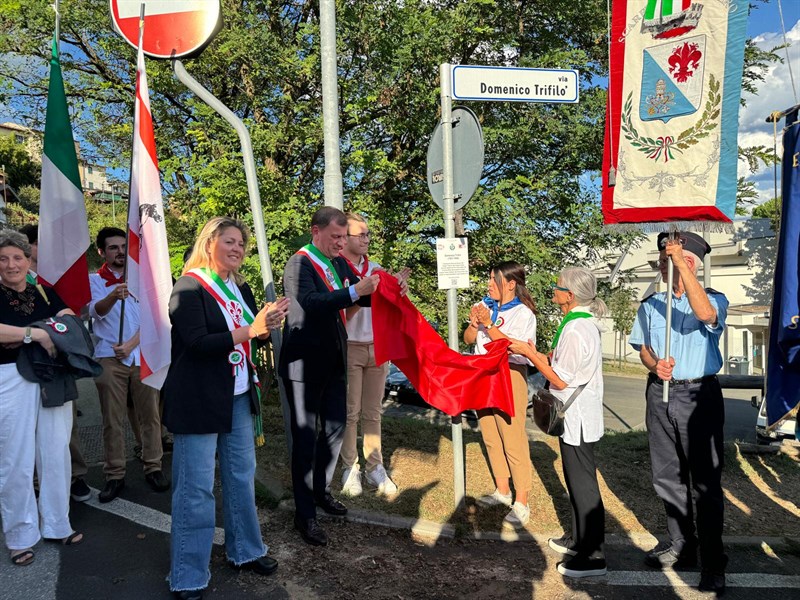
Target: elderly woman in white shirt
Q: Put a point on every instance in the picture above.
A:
(576, 359)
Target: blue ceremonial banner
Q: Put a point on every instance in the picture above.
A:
(783, 360)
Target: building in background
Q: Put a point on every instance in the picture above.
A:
(95, 180)
(741, 268)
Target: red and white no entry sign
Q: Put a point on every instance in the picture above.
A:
(172, 28)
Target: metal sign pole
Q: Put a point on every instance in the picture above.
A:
(459, 490)
(259, 227)
(668, 334)
(330, 104)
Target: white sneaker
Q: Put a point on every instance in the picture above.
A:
(351, 481)
(518, 516)
(495, 499)
(380, 479)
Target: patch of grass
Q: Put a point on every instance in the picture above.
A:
(625, 369)
(761, 491)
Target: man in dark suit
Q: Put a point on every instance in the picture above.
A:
(320, 286)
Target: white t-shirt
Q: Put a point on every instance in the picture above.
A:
(359, 326)
(578, 359)
(242, 382)
(517, 322)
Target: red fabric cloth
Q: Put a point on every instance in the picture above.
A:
(445, 379)
(107, 275)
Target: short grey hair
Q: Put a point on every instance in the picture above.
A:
(9, 237)
(583, 285)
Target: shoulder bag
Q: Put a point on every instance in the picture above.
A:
(548, 411)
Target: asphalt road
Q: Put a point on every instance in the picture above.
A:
(625, 408)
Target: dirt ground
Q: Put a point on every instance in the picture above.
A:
(761, 490)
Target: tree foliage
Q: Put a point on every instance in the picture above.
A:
(20, 169)
(771, 209)
(535, 203)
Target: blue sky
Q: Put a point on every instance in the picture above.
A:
(777, 93)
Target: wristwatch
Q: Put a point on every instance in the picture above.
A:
(27, 339)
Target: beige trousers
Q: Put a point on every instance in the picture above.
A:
(365, 387)
(112, 387)
(505, 438)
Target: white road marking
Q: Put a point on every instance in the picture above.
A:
(148, 517)
(687, 579)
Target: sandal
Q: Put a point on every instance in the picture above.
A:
(73, 539)
(22, 558)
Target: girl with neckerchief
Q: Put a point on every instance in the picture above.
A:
(508, 311)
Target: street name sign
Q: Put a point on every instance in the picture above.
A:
(513, 84)
(172, 28)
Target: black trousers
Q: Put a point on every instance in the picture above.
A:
(686, 453)
(588, 512)
(318, 408)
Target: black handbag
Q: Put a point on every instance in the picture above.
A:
(548, 411)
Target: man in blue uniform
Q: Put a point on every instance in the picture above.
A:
(685, 432)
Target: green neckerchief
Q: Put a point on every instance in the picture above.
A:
(570, 316)
(30, 278)
(311, 248)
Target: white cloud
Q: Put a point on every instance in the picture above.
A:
(775, 94)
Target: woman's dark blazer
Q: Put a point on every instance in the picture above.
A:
(198, 391)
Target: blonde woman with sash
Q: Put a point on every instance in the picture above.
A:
(212, 407)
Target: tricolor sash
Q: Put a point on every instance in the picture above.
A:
(324, 268)
(237, 314)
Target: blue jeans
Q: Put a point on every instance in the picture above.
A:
(193, 499)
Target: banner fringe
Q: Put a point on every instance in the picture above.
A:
(696, 226)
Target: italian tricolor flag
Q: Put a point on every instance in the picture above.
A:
(63, 227)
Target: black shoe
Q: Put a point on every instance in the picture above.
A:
(266, 565)
(580, 566)
(564, 545)
(311, 532)
(189, 595)
(79, 491)
(332, 506)
(712, 581)
(157, 481)
(112, 490)
(663, 556)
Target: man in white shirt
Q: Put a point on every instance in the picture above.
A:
(365, 380)
(120, 363)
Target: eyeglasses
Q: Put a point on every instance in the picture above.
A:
(364, 237)
(559, 288)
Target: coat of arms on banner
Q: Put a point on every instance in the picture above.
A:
(672, 79)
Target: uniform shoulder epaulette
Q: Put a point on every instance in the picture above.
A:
(713, 291)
